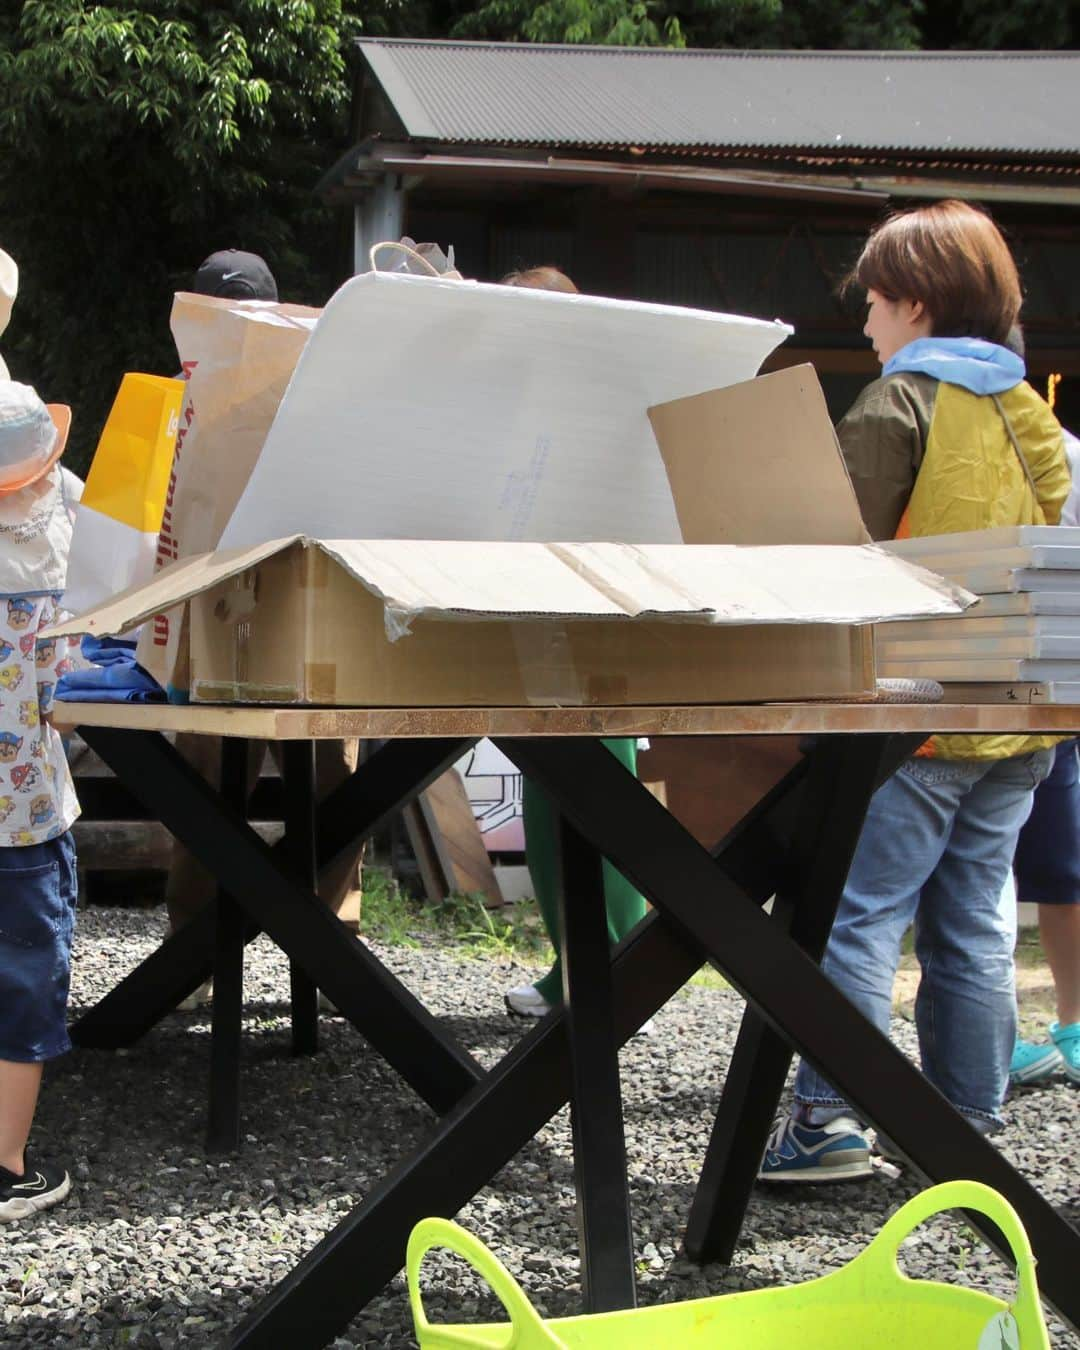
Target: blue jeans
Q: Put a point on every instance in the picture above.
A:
(38, 889)
(935, 850)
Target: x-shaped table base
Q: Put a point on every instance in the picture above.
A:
(797, 843)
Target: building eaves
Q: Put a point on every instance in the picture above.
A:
(953, 104)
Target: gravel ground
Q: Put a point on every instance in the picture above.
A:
(161, 1245)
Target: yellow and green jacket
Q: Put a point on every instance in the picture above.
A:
(932, 453)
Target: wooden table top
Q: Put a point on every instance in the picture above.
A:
(760, 719)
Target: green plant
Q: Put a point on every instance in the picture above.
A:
(708, 978)
(386, 913)
(135, 141)
(513, 933)
(966, 1241)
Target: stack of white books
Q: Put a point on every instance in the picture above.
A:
(1025, 629)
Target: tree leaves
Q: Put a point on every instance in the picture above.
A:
(137, 140)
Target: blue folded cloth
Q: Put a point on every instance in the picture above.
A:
(113, 677)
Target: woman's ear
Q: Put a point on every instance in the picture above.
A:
(920, 317)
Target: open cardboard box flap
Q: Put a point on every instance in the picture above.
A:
(754, 465)
(758, 463)
(453, 579)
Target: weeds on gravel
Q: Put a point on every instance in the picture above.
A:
(967, 1242)
(386, 913)
(512, 933)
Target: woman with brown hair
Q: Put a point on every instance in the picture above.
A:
(951, 438)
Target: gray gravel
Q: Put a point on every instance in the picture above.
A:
(162, 1245)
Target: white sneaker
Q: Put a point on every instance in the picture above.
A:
(527, 1001)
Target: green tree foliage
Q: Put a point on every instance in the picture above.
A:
(137, 138)
(807, 24)
(697, 23)
(1019, 25)
(135, 141)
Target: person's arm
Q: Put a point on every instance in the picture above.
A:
(883, 440)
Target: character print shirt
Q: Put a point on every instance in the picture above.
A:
(37, 797)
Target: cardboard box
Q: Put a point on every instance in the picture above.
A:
(420, 623)
(406, 623)
(311, 634)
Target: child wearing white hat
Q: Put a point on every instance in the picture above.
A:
(38, 885)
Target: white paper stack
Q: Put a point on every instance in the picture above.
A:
(1025, 628)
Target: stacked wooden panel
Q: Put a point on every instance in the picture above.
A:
(1023, 634)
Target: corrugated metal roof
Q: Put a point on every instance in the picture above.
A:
(951, 102)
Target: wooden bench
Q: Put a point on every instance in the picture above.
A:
(125, 854)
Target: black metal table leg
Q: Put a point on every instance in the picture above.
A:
(395, 1023)
(474, 1141)
(701, 912)
(223, 1120)
(841, 776)
(316, 1300)
(298, 772)
(185, 959)
(603, 1203)
(624, 821)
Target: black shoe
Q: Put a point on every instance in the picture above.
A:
(40, 1187)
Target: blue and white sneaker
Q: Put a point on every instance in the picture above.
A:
(1033, 1063)
(837, 1151)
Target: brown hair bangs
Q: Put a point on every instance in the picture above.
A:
(952, 258)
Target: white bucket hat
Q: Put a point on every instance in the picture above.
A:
(9, 286)
(32, 436)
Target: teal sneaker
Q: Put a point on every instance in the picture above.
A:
(1067, 1042)
(838, 1151)
(1033, 1063)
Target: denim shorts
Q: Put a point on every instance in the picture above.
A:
(38, 890)
(1047, 862)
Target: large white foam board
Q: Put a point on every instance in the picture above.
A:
(429, 409)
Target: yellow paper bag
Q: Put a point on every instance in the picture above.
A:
(120, 513)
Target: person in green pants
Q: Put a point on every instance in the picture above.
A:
(625, 905)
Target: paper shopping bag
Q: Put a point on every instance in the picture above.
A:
(237, 357)
(119, 516)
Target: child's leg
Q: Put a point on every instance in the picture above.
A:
(19, 1084)
(38, 887)
(1059, 930)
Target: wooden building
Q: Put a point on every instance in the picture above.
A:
(734, 180)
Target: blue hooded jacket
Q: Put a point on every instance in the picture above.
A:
(973, 363)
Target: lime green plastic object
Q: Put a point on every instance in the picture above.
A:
(868, 1304)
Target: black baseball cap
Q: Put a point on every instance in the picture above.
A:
(235, 275)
